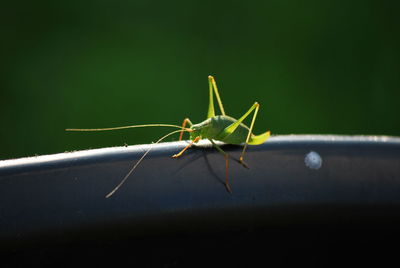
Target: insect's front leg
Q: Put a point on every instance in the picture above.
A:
(188, 146)
(185, 121)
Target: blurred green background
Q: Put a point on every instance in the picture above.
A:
(315, 67)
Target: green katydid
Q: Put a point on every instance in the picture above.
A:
(215, 128)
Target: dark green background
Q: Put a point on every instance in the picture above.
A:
(315, 67)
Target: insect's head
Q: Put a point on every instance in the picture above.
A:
(196, 132)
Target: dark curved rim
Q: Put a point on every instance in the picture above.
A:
(358, 181)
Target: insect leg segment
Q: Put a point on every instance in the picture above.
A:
(211, 111)
(213, 88)
(257, 106)
(228, 187)
(185, 121)
(219, 149)
(231, 128)
(187, 147)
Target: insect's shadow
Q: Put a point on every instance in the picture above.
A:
(187, 159)
(201, 152)
(210, 169)
(191, 157)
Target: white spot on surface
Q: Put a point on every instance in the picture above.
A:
(313, 160)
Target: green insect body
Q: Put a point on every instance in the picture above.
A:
(215, 128)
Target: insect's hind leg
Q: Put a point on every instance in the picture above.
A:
(213, 88)
(231, 128)
(257, 106)
(185, 121)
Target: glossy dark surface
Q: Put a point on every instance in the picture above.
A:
(59, 200)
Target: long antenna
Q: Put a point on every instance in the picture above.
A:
(140, 160)
(125, 127)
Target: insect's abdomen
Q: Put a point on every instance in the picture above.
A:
(219, 123)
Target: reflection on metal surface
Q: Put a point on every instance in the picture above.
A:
(313, 160)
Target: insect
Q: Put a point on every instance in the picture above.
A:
(215, 128)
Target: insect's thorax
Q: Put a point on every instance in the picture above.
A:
(212, 128)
